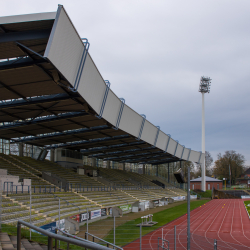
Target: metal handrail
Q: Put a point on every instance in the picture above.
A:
(103, 241)
(76, 237)
(51, 236)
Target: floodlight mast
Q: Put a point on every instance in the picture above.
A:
(204, 88)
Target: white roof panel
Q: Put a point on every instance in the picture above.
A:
(28, 18)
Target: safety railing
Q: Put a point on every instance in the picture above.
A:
(22, 189)
(36, 189)
(103, 241)
(82, 243)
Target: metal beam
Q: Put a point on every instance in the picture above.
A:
(36, 100)
(132, 151)
(143, 159)
(116, 146)
(22, 63)
(167, 160)
(84, 142)
(40, 120)
(58, 134)
(132, 156)
(24, 35)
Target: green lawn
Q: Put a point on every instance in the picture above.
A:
(128, 231)
(248, 207)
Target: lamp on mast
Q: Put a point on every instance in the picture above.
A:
(204, 87)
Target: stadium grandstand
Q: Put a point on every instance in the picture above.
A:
(66, 136)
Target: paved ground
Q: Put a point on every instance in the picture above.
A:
(224, 220)
(102, 227)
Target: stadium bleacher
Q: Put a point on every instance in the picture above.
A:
(125, 188)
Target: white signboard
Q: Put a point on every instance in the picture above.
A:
(193, 197)
(179, 198)
(245, 196)
(96, 214)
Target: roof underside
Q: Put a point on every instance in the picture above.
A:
(39, 107)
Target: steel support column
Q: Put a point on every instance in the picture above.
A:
(52, 155)
(20, 149)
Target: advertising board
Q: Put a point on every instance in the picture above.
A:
(245, 196)
(103, 212)
(95, 214)
(110, 211)
(193, 197)
(76, 217)
(125, 207)
(48, 227)
(179, 198)
(84, 217)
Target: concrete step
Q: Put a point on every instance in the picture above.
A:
(5, 242)
(10, 243)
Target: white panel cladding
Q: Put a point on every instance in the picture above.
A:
(112, 108)
(171, 146)
(149, 133)
(92, 86)
(185, 154)
(161, 142)
(28, 18)
(179, 151)
(66, 48)
(130, 121)
(194, 156)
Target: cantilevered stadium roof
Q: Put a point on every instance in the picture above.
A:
(52, 95)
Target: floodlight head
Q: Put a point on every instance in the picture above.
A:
(205, 84)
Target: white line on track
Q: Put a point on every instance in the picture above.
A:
(218, 233)
(210, 205)
(212, 211)
(211, 225)
(242, 221)
(232, 229)
(203, 212)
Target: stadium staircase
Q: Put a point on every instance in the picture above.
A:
(10, 243)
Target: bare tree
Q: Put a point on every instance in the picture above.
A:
(230, 165)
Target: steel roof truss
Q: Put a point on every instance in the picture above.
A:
(69, 132)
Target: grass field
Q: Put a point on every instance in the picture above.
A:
(247, 204)
(128, 231)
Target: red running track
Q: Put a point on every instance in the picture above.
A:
(224, 220)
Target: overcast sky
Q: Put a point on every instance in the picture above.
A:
(155, 51)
